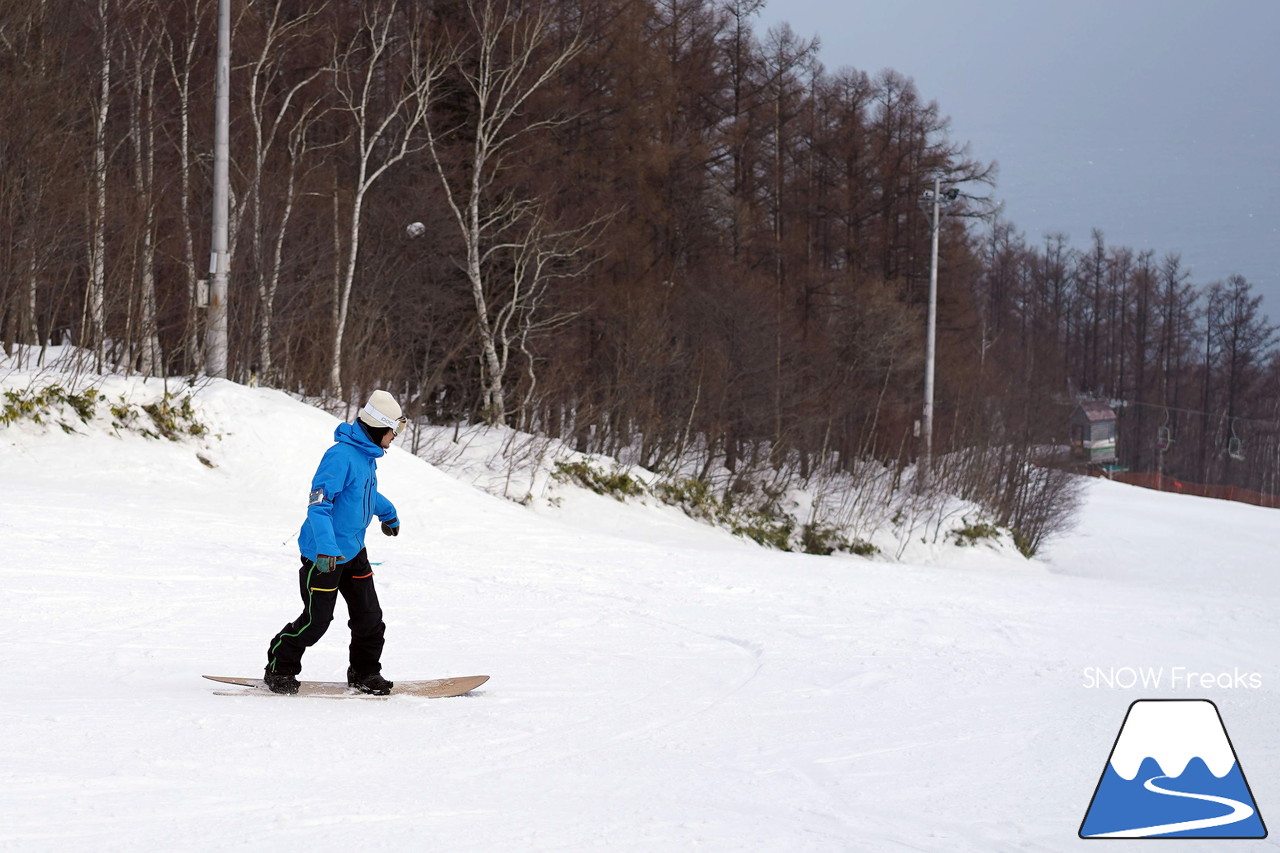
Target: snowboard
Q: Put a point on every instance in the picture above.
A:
(438, 688)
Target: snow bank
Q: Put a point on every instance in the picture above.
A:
(584, 489)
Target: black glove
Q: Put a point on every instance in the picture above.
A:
(391, 528)
(325, 563)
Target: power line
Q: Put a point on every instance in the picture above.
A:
(1235, 418)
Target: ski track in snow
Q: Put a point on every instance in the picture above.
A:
(667, 689)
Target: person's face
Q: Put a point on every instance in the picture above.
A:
(387, 438)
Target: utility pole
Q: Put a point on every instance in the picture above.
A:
(219, 260)
(933, 201)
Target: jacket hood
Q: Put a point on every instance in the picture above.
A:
(353, 435)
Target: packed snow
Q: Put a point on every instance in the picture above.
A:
(656, 684)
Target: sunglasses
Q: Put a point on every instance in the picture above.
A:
(396, 426)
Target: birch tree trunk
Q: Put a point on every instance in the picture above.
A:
(179, 58)
(146, 347)
(502, 72)
(281, 33)
(385, 123)
(95, 301)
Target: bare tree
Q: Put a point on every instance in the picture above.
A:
(790, 61)
(384, 82)
(514, 55)
(95, 295)
(41, 188)
(278, 106)
(1237, 339)
(140, 50)
(180, 44)
(542, 255)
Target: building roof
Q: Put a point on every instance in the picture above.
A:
(1095, 410)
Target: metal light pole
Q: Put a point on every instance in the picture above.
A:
(219, 261)
(934, 199)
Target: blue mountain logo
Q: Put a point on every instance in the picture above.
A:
(1173, 773)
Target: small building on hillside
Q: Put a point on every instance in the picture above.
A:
(1093, 432)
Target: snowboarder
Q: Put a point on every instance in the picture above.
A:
(344, 499)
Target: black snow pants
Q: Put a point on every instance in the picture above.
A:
(354, 579)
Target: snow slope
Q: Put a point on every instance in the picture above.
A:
(648, 692)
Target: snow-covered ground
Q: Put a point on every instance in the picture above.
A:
(657, 685)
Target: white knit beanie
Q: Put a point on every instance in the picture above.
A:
(382, 410)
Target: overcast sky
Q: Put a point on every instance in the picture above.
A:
(1157, 121)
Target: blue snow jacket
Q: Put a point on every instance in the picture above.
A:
(344, 497)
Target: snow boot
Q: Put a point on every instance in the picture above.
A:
(373, 683)
(278, 682)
